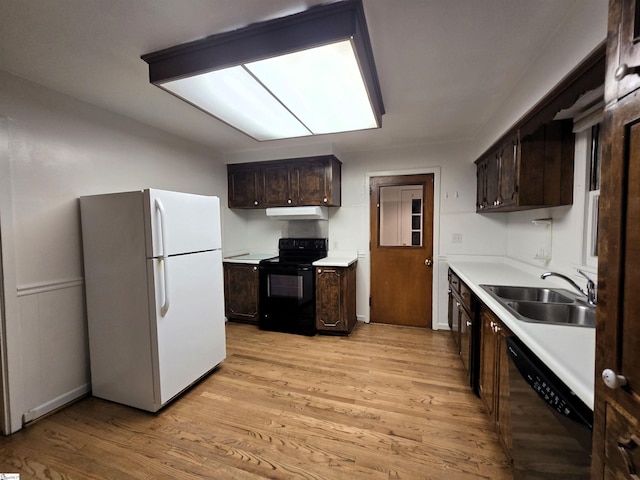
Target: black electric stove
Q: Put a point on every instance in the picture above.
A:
(287, 286)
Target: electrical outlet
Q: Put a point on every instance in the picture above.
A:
(456, 238)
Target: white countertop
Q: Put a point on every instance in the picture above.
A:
(568, 351)
(252, 259)
(337, 260)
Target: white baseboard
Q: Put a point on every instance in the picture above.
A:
(57, 402)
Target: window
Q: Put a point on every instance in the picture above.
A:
(592, 197)
(401, 215)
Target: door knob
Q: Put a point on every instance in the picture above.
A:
(612, 379)
(428, 262)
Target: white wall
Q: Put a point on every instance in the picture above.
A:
(525, 239)
(60, 149)
(349, 225)
(489, 234)
(582, 32)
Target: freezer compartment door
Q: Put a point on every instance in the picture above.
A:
(186, 222)
(190, 336)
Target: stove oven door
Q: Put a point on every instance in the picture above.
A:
(287, 298)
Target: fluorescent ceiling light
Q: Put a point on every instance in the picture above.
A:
(310, 73)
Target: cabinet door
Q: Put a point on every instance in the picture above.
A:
(329, 299)
(481, 185)
(488, 182)
(623, 48)
(241, 292)
(454, 307)
(243, 182)
(455, 312)
(465, 339)
(487, 361)
(503, 413)
(276, 187)
(312, 185)
(618, 339)
(508, 163)
(336, 299)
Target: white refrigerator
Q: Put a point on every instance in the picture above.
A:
(154, 292)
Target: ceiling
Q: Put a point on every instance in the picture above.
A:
(444, 65)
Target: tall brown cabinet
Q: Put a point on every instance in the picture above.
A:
(616, 435)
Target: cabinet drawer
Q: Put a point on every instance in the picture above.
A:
(454, 282)
(465, 296)
(622, 445)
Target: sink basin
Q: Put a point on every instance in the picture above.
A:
(554, 306)
(531, 294)
(555, 313)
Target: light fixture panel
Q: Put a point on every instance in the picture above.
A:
(233, 96)
(309, 73)
(321, 86)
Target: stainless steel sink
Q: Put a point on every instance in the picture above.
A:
(555, 313)
(531, 294)
(553, 306)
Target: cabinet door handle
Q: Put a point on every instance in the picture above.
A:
(289, 201)
(469, 324)
(612, 380)
(624, 446)
(330, 324)
(622, 71)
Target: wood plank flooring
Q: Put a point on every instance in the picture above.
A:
(385, 403)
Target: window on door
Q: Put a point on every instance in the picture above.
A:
(401, 216)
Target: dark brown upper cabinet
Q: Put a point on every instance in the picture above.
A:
(531, 165)
(243, 182)
(276, 185)
(282, 183)
(534, 172)
(623, 52)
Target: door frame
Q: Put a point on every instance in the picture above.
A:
(11, 394)
(435, 171)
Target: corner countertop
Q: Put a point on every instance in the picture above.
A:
(568, 351)
(338, 259)
(251, 259)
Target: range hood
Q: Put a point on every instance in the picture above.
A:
(298, 213)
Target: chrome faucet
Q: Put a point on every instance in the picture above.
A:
(590, 293)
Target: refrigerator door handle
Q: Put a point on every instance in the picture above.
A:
(165, 264)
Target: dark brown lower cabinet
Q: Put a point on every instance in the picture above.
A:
(454, 308)
(494, 374)
(462, 318)
(241, 292)
(336, 299)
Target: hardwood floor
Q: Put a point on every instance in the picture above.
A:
(387, 402)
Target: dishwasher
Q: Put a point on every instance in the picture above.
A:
(550, 426)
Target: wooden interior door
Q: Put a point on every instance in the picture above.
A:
(401, 270)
